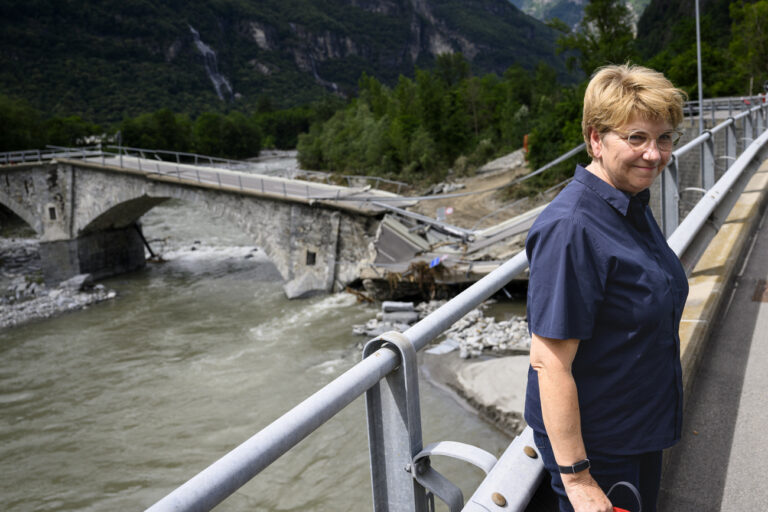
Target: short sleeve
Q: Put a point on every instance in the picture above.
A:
(567, 279)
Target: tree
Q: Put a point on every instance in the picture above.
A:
(749, 45)
(604, 36)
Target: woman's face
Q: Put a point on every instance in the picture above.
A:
(625, 167)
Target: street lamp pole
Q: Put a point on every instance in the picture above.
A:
(698, 62)
(707, 174)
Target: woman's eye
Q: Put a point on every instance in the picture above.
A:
(665, 138)
(637, 139)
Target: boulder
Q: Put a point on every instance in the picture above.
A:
(78, 283)
(306, 285)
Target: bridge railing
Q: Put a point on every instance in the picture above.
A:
(403, 479)
(181, 157)
(50, 153)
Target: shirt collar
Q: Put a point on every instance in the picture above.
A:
(613, 196)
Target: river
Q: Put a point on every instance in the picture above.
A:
(112, 407)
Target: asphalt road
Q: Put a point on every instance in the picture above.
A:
(722, 460)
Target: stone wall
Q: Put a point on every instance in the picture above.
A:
(101, 254)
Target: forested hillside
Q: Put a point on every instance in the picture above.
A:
(421, 128)
(105, 60)
(400, 88)
(734, 44)
(568, 11)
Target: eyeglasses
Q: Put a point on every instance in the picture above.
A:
(638, 139)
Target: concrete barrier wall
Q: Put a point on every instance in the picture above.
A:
(710, 281)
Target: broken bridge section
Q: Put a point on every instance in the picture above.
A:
(87, 215)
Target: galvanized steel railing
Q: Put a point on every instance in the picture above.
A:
(402, 477)
(157, 156)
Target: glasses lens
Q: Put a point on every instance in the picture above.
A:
(637, 139)
(667, 140)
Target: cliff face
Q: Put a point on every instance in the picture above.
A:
(569, 11)
(112, 58)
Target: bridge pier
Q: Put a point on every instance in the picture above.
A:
(101, 254)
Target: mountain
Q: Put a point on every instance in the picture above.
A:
(569, 11)
(109, 59)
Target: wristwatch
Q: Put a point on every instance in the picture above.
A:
(575, 468)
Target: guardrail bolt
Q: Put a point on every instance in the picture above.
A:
(499, 500)
(530, 452)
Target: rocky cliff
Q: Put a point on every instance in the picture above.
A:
(110, 59)
(569, 11)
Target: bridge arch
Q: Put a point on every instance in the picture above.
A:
(7, 209)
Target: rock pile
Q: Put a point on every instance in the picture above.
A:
(473, 335)
(23, 295)
(444, 188)
(26, 300)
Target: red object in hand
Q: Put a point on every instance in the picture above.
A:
(617, 509)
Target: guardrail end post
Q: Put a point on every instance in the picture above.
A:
(394, 429)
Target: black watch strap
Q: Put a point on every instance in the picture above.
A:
(575, 468)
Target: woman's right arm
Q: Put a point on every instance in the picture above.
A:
(552, 359)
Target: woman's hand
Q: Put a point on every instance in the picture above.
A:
(585, 494)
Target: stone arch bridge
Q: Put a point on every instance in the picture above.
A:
(87, 213)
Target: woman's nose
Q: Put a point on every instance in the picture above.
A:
(652, 151)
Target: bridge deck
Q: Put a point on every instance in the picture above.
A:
(722, 460)
(359, 199)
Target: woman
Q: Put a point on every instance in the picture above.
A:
(605, 297)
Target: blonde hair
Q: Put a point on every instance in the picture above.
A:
(618, 93)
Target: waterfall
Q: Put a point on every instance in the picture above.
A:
(220, 83)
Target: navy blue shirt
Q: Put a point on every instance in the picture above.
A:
(602, 272)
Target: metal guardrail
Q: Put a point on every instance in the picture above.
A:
(387, 374)
(196, 159)
(51, 152)
(403, 479)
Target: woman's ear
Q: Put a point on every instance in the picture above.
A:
(595, 142)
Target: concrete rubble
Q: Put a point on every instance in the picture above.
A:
(474, 335)
(484, 363)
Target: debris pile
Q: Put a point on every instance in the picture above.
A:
(473, 335)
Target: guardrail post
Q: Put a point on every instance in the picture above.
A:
(730, 144)
(394, 430)
(670, 196)
(749, 130)
(708, 162)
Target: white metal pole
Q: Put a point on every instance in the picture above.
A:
(698, 61)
